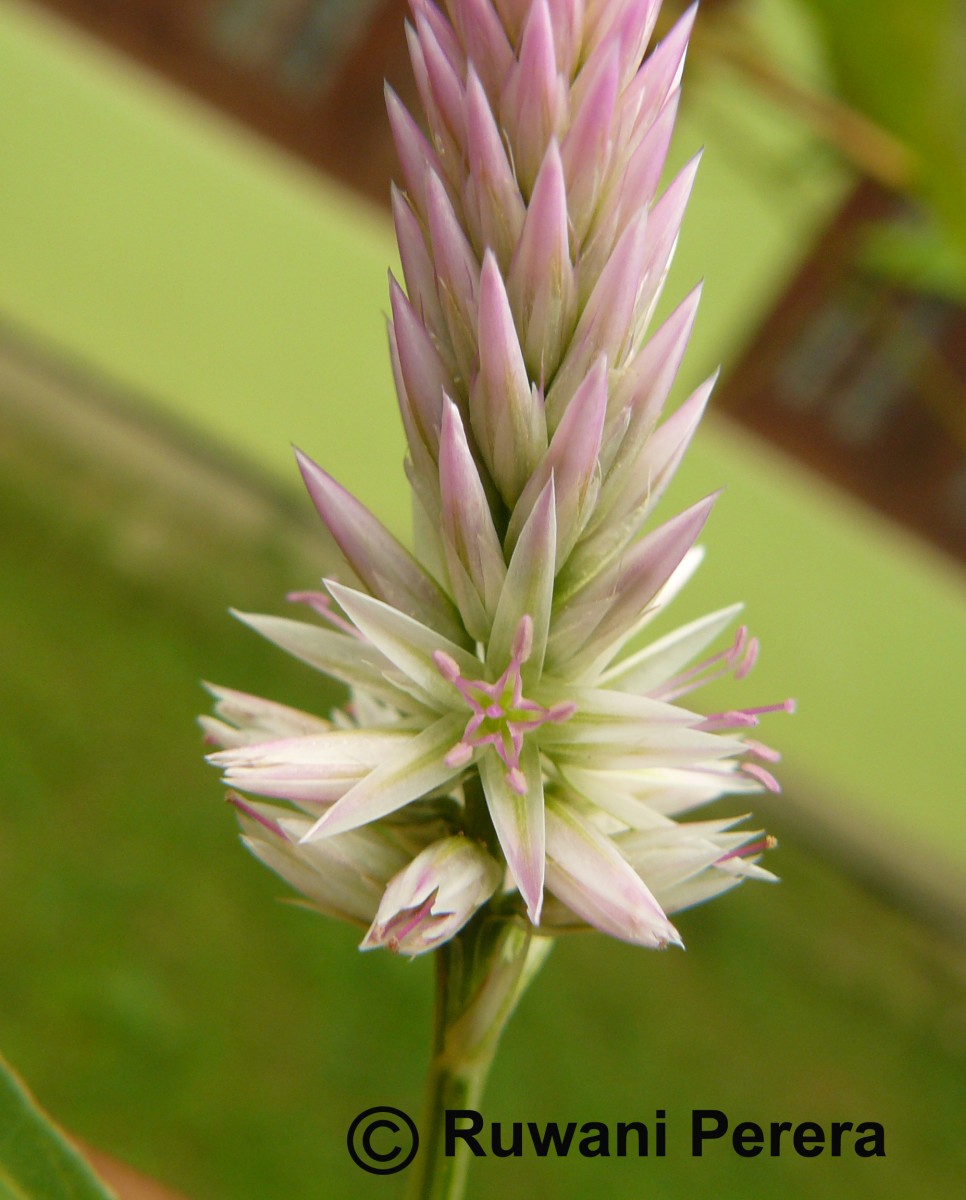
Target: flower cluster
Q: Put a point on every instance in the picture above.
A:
(504, 743)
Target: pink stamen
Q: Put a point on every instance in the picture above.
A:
(321, 604)
(406, 922)
(760, 750)
(517, 781)
(743, 718)
(736, 719)
(763, 776)
(748, 661)
(272, 826)
(786, 706)
(460, 755)
(698, 676)
(446, 665)
(522, 646)
(765, 843)
(503, 703)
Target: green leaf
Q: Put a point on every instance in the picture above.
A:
(36, 1160)
(901, 65)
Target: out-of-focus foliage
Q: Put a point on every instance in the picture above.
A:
(36, 1163)
(904, 66)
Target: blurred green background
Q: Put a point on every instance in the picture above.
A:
(178, 303)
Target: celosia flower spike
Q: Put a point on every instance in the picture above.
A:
(498, 661)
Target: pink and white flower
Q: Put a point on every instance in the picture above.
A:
(494, 666)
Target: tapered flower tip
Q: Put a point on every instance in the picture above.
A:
(423, 372)
(572, 461)
(387, 569)
(507, 419)
(533, 101)
(241, 719)
(587, 872)
(432, 898)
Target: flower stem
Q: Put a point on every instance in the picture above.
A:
(480, 976)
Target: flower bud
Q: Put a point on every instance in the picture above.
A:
(434, 897)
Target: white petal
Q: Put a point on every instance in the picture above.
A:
(345, 658)
(413, 771)
(519, 822)
(588, 873)
(407, 644)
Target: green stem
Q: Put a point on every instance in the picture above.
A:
(480, 976)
